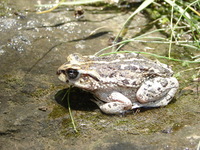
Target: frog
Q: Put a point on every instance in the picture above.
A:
(120, 82)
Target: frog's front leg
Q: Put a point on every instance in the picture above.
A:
(118, 103)
(156, 92)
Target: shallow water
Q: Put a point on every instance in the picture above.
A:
(33, 46)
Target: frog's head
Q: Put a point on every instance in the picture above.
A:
(76, 72)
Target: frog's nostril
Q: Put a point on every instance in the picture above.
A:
(58, 72)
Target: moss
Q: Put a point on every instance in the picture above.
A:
(12, 80)
(40, 92)
(3, 8)
(57, 112)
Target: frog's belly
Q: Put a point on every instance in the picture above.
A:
(104, 94)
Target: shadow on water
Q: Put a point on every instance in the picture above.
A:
(78, 99)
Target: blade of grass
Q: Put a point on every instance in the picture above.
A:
(126, 41)
(51, 9)
(194, 11)
(137, 39)
(151, 54)
(69, 109)
(184, 14)
(172, 31)
(127, 22)
(180, 9)
(159, 42)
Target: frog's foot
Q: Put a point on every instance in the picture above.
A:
(156, 92)
(119, 104)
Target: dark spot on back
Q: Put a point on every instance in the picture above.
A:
(125, 81)
(134, 83)
(111, 75)
(114, 104)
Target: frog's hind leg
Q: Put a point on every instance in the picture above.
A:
(156, 92)
(118, 104)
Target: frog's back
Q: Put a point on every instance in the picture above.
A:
(128, 65)
(125, 69)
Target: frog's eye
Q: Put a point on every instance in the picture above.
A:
(72, 73)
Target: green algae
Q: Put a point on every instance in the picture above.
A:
(57, 112)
